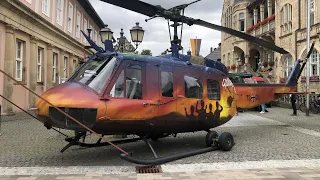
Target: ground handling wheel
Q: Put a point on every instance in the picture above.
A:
(225, 141)
(211, 138)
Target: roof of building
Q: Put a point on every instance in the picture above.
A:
(254, 3)
(91, 12)
(214, 55)
(240, 1)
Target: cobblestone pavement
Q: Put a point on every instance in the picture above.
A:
(259, 137)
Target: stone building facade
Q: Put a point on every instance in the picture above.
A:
(282, 22)
(40, 44)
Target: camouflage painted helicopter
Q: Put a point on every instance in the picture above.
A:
(153, 97)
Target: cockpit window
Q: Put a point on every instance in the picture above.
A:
(131, 88)
(96, 72)
(134, 82)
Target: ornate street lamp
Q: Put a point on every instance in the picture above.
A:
(106, 37)
(106, 33)
(137, 34)
(123, 45)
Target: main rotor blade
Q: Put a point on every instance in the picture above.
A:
(136, 6)
(239, 34)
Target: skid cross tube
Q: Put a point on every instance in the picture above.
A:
(84, 126)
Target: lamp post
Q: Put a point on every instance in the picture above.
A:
(106, 36)
(122, 45)
(308, 62)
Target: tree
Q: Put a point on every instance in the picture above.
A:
(165, 52)
(146, 52)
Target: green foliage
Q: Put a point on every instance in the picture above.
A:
(146, 52)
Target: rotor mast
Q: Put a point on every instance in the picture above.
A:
(175, 14)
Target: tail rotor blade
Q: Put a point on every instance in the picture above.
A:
(310, 50)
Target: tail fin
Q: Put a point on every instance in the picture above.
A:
(297, 69)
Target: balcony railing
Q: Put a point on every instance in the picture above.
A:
(311, 79)
(263, 27)
(314, 31)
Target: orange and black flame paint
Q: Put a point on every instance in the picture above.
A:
(154, 114)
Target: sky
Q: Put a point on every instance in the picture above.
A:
(156, 37)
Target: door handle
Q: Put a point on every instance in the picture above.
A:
(145, 104)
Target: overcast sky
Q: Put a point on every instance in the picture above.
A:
(156, 36)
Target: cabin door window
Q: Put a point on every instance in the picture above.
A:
(167, 84)
(167, 102)
(213, 89)
(193, 87)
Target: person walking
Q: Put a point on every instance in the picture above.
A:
(293, 99)
(263, 108)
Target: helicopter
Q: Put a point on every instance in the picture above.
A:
(115, 93)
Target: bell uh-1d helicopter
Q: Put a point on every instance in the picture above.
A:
(153, 97)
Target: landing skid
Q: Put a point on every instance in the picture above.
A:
(75, 141)
(213, 141)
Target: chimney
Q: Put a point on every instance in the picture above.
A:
(215, 49)
(211, 49)
(219, 44)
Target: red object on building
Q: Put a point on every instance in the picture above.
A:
(258, 79)
(256, 25)
(233, 66)
(272, 17)
(264, 21)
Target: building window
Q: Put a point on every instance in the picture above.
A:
(241, 22)
(60, 12)
(78, 24)
(91, 35)
(74, 64)
(167, 84)
(134, 82)
(286, 19)
(39, 65)
(288, 64)
(213, 89)
(65, 67)
(315, 63)
(85, 27)
(19, 60)
(193, 87)
(70, 17)
(54, 67)
(95, 36)
(46, 7)
(312, 10)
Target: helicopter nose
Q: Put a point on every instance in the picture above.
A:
(75, 99)
(67, 94)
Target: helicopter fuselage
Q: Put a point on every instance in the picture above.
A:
(133, 94)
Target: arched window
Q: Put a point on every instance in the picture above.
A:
(286, 19)
(314, 63)
(287, 65)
